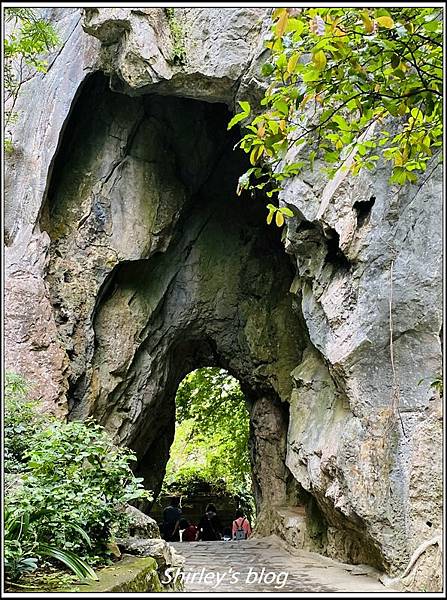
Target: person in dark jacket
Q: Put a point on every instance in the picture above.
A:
(210, 527)
(171, 520)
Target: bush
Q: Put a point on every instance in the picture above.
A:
(74, 485)
(21, 422)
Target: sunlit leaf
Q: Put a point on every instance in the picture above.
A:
(367, 22)
(286, 211)
(292, 62)
(279, 218)
(236, 119)
(256, 153)
(245, 106)
(319, 60)
(282, 23)
(385, 22)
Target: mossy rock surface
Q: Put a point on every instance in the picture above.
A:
(130, 574)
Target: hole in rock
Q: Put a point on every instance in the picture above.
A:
(363, 210)
(209, 459)
(335, 255)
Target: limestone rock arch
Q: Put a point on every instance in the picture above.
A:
(108, 191)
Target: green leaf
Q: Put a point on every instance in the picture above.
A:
(245, 106)
(282, 106)
(236, 119)
(256, 154)
(385, 21)
(311, 75)
(291, 65)
(281, 62)
(69, 559)
(82, 533)
(432, 26)
(341, 121)
(319, 60)
(295, 26)
(267, 69)
(286, 211)
(279, 218)
(367, 22)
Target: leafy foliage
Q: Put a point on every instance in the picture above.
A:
(28, 40)
(346, 85)
(211, 442)
(74, 483)
(21, 422)
(437, 385)
(21, 544)
(74, 488)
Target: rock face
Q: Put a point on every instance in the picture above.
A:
(139, 524)
(130, 262)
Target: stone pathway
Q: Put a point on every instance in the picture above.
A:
(263, 565)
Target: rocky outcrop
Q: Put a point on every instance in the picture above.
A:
(164, 554)
(143, 539)
(140, 524)
(131, 262)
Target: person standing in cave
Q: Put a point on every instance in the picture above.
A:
(210, 527)
(172, 515)
(241, 526)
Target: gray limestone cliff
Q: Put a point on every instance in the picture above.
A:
(130, 262)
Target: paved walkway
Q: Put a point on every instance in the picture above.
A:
(263, 565)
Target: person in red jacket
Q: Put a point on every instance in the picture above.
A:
(241, 526)
(188, 533)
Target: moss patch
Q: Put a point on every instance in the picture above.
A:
(177, 35)
(130, 574)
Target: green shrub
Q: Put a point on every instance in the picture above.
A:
(22, 550)
(74, 484)
(21, 422)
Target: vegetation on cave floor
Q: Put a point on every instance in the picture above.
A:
(66, 487)
(211, 439)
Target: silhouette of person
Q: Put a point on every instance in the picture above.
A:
(171, 520)
(210, 527)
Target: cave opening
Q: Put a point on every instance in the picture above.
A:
(209, 459)
(156, 268)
